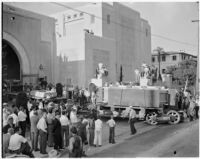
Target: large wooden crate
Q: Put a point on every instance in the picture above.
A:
(144, 97)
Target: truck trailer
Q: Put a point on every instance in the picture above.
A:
(152, 104)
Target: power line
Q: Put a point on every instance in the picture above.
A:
(122, 25)
(169, 39)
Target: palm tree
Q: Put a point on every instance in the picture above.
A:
(159, 51)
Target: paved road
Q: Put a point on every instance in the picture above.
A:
(180, 140)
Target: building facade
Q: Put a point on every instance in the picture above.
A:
(169, 59)
(112, 34)
(28, 46)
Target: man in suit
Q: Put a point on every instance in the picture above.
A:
(34, 131)
(57, 133)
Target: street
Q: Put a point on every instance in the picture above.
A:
(180, 140)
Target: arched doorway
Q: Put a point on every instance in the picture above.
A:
(21, 54)
(11, 69)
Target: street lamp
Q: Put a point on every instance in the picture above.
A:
(197, 76)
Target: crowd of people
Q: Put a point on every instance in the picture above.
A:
(53, 125)
(59, 125)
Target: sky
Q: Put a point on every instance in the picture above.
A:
(171, 20)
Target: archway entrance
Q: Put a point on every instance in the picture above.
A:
(11, 70)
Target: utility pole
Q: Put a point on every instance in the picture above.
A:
(197, 75)
(159, 75)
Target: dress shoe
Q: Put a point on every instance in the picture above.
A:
(36, 149)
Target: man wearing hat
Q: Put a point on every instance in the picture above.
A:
(132, 119)
(57, 134)
(75, 144)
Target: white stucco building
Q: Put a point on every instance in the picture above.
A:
(28, 42)
(170, 58)
(109, 33)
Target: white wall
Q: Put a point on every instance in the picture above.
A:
(35, 33)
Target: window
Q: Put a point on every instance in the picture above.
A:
(81, 14)
(75, 15)
(174, 58)
(163, 70)
(92, 19)
(163, 58)
(108, 19)
(153, 59)
(69, 17)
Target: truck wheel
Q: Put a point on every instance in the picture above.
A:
(151, 118)
(174, 117)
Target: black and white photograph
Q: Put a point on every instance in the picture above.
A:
(100, 79)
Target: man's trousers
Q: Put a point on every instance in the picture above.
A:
(34, 140)
(112, 135)
(98, 137)
(43, 141)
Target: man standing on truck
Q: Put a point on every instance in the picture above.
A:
(132, 119)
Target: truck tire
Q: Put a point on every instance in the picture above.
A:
(174, 117)
(151, 118)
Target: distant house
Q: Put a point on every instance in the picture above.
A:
(169, 59)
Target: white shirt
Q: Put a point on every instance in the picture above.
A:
(41, 105)
(15, 118)
(111, 123)
(132, 114)
(86, 93)
(15, 142)
(21, 116)
(64, 120)
(31, 113)
(98, 125)
(73, 117)
(85, 121)
(42, 125)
